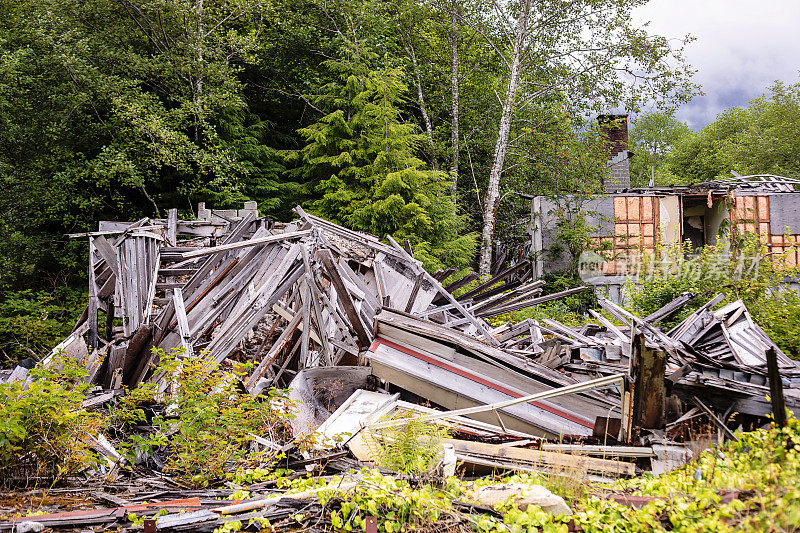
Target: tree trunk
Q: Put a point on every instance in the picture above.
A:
(454, 83)
(420, 96)
(198, 93)
(493, 189)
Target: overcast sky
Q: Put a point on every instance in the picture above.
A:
(741, 47)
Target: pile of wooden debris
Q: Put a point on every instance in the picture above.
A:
(330, 312)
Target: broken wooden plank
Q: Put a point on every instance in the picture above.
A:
(183, 322)
(414, 291)
(528, 303)
(244, 244)
(172, 227)
(364, 338)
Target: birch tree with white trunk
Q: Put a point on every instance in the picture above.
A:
(592, 54)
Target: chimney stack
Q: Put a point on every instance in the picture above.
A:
(615, 130)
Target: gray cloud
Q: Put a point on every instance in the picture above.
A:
(741, 48)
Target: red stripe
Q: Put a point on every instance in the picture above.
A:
(472, 377)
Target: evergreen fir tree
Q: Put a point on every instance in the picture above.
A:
(360, 161)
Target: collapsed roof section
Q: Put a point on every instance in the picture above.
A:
(233, 286)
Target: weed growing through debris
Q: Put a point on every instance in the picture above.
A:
(411, 447)
(749, 485)
(43, 427)
(397, 505)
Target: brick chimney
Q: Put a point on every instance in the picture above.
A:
(615, 129)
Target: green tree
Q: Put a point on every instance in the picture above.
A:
(589, 49)
(651, 138)
(761, 138)
(359, 159)
(119, 110)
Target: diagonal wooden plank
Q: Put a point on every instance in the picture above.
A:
(364, 339)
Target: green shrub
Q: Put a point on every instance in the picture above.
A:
(209, 419)
(561, 310)
(43, 428)
(570, 311)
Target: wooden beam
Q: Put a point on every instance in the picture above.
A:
(93, 300)
(714, 418)
(172, 227)
(274, 351)
(183, 322)
(344, 296)
(414, 291)
(244, 244)
(535, 301)
(776, 388)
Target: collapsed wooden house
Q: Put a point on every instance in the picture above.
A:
(235, 287)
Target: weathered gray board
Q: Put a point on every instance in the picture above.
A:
(138, 259)
(783, 208)
(600, 213)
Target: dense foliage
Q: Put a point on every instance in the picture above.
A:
(760, 138)
(743, 273)
(652, 139)
(209, 421)
(44, 430)
(119, 110)
(31, 323)
(360, 161)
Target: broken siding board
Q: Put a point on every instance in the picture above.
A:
(383, 296)
(441, 275)
(454, 387)
(213, 261)
(183, 323)
(398, 280)
(528, 303)
(107, 252)
(274, 260)
(499, 278)
(368, 297)
(478, 323)
(232, 280)
(240, 322)
(508, 299)
(463, 281)
(153, 261)
(264, 303)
